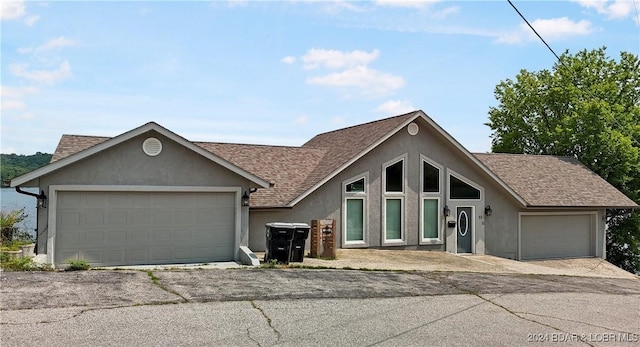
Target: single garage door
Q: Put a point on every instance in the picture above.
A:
(557, 236)
(129, 228)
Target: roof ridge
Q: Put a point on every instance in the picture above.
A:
(524, 154)
(94, 136)
(249, 144)
(368, 123)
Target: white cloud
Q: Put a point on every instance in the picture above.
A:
(337, 121)
(333, 59)
(47, 77)
(288, 60)
(407, 4)
(12, 99)
(12, 9)
(52, 44)
(31, 20)
(335, 7)
(12, 105)
(550, 29)
(12, 92)
(559, 28)
(617, 9)
(301, 120)
(393, 107)
(237, 3)
(369, 81)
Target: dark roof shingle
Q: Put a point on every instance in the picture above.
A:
(552, 181)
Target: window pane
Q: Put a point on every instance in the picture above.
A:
(394, 178)
(394, 216)
(355, 219)
(461, 190)
(430, 219)
(357, 186)
(430, 178)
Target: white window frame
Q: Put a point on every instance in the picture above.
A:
(364, 196)
(440, 168)
(394, 196)
(465, 180)
(431, 196)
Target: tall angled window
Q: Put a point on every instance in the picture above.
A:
(393, 209)
(430, 178)
(354, 207)
(430, 221)
(394, 180)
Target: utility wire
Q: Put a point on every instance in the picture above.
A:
(534, 30)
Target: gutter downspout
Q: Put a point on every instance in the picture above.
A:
(42, 198)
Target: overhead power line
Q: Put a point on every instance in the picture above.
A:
(534, 30)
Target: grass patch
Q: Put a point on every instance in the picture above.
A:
(271, 264)
(78, 265)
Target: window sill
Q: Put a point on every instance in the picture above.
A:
(394, 243)
(431, 242)
(355, 245)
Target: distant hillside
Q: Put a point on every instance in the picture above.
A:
(14, 165)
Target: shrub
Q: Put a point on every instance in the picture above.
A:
(78, 265)
(9, 263)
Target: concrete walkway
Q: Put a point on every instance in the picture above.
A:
(376, 259)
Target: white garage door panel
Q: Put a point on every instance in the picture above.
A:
(120, 228)
(557, 236)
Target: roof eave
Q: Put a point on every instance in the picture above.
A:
(619, 207)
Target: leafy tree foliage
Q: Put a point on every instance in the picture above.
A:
(14, 165)
(587, 107)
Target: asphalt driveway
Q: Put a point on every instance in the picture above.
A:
(116, 288)
(314, 307)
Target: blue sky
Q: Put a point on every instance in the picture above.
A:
(278, 72)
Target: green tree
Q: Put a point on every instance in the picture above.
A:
(14, 165)
(587, 107)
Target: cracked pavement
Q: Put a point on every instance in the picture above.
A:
(286, 307)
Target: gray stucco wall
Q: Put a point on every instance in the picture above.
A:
(127, 164)
(500, 230)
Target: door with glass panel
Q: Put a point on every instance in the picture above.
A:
(464, 229)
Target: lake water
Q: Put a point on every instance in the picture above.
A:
(11, 200)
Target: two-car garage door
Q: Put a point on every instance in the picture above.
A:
(127, 228)
(557, 236)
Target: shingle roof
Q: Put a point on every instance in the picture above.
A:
(295, 171)
(288, 168)
(552, 181)
(345, 144)
(72, 144)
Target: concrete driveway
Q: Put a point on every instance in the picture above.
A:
(443, 261)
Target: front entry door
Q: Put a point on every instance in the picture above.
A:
(465, 226)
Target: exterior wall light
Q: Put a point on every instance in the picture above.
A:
(42, 199)
(446, 211)
(488, 211)
(245, 199)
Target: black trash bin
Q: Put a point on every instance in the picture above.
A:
(300, 235)
(279, 239)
